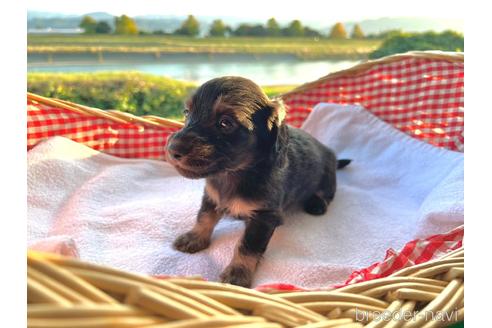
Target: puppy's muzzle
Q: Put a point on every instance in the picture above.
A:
(189, 150)
(178, 147)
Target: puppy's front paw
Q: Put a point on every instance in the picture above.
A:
(237, 275)
(191, 242)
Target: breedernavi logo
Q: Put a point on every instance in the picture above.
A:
(400, 315)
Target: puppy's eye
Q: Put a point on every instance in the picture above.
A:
(226, 124)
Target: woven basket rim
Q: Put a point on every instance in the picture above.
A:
(114, 115)
(63, 289)
(454, 57)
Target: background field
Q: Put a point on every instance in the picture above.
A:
(305, 48)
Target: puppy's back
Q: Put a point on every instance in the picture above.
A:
(308, 160)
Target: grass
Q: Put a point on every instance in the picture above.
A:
(132, 92)
(275, 90)
(305, 48)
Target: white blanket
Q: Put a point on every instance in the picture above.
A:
(126, 213)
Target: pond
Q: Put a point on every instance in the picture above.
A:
(264, 70)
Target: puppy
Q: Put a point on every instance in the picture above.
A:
(256, 168)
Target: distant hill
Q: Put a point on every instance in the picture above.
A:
(168, 23)
(100, 16)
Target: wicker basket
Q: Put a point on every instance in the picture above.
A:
(64, 292)
(420, 93)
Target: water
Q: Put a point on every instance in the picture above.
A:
(273, 70)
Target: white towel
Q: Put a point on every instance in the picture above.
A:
(126, 213)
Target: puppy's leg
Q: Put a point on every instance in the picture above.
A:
(249, 250)
(318, 203)
(198, 238)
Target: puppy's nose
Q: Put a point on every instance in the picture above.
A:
(177, 150)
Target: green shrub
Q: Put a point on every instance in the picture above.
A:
(403, 42)
(135, 93)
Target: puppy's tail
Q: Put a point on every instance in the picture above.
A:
(341, 163)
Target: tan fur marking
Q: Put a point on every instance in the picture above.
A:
(248, 261)
(212, 193)
(205, 225)
(278, 115)
(236, 206)
(281, 112)
(203, 150)
(240, 207)
(189, 103)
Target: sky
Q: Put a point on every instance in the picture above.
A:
(308, 9)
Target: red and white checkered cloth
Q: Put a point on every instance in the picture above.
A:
(421, 97)
(118, 139)
(414, 252)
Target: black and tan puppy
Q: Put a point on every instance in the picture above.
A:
(256, 168)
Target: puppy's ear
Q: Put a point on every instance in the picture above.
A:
(189, 102)
(277, 114)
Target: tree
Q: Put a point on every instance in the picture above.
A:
(295, 28)
(218, 28)
(338, 32)
(103, 28)
(243, 30)
(190, 27)
(357, 32)
(258, 30)
(272, 27)
(310, 32)
(159, 32)
(250, 30)
(125, 25)
(88, 24)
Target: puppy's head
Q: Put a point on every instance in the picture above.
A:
(230, 124)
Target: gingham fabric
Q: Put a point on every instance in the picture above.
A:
(414, 252)
(118, 139)
(421, 97)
